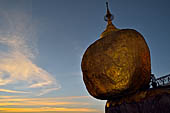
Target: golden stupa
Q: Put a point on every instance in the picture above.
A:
(117, 64)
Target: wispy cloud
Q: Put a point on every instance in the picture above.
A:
(47, 91)
(12, 91)
(17, 56)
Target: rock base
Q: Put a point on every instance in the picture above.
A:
(150, 101)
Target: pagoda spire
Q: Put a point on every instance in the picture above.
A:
(108, 18)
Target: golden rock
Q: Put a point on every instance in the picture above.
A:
(117, 64)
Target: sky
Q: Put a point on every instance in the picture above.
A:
(42, 43)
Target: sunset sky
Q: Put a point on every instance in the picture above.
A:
(42, 43)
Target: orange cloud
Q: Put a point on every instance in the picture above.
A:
(7, 97)
(69, 104)
(48, 109)
(43, 103)
(46, 104)
(17, 98)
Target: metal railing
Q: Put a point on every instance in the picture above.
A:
(163, 81)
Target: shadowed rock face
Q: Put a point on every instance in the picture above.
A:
(151, 101)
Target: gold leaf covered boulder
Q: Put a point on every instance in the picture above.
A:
(117, 64)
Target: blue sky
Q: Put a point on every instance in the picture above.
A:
(42, 43)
